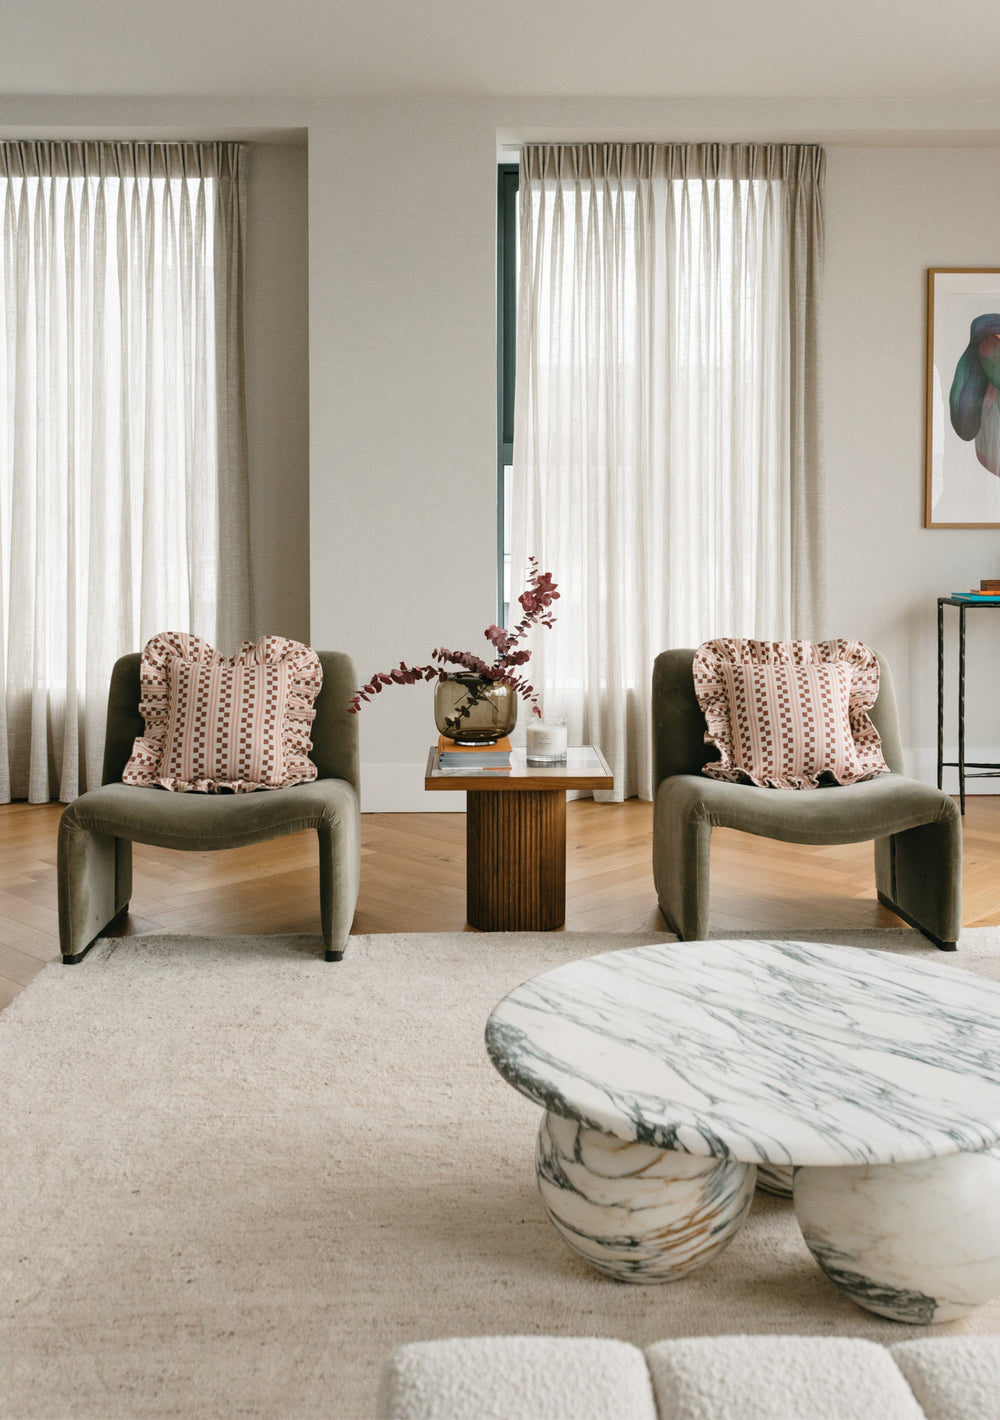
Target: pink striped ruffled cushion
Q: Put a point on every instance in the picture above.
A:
(789, 714)
(215, 724)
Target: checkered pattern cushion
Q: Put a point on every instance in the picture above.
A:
(789, 714)
(215, 724)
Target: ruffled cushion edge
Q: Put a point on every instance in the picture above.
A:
(710, 689)
(305, 682)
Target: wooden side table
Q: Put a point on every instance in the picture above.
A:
(967, 769)
(515, 836)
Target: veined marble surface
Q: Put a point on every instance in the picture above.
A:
(918, 1242)
(761, 1051)
(635, 1212)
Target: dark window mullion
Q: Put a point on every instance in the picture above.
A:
(507, 183)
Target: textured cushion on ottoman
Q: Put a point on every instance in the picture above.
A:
(518, 1378)
(764, 1377)
(953, 1377)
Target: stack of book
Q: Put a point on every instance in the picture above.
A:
(987, 591)
(464, 759)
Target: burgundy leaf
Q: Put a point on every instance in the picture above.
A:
(535, 602)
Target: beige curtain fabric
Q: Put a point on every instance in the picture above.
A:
(666, 466)
(123, 464)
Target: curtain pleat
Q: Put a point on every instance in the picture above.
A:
(666, 466)
(123, 482)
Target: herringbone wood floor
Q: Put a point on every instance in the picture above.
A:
(413, 880)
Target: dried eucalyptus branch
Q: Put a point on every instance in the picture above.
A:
(535, 603)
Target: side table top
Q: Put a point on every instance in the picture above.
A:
(761, 1051)
(968, 601)
(585, 768)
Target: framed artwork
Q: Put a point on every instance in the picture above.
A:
(962, 478)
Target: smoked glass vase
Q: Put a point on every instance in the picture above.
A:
(474, 711)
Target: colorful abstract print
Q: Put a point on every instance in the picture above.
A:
(975, 392)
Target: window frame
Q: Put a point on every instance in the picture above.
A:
(507, 212)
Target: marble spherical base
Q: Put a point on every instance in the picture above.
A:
(776, 1178)
(634, 1211)
(917, 1242)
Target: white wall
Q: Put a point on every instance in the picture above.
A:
(277, 379)
(402, 203)
(891, 214)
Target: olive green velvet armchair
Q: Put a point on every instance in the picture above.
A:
(916, 829)
(97, 830)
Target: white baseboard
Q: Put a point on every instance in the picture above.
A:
(399, 788)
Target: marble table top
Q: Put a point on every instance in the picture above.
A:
(761, 1051)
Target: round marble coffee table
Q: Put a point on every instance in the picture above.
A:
(669, 1073)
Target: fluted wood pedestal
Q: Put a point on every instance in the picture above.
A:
(516, 861)
(516, 837)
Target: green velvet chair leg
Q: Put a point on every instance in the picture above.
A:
(681, 857)
(123, 874)
(339, 878)
(918, 876)
(95, 884)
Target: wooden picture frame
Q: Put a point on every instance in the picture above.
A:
(962, 467)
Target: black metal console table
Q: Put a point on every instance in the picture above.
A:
(966, 769)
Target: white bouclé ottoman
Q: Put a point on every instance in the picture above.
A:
(498, 1378)
(692, 1378)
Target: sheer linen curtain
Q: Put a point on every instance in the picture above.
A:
(666, 465)
(123, 481)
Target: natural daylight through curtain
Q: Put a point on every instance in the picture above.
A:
(665, 446)
(123, 469)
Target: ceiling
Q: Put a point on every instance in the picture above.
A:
(304, 49)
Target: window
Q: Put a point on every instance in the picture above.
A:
(663, 464)
(122, 430)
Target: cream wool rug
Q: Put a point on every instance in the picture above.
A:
(235, 1176)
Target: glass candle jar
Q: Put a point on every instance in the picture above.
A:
(546, 742)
